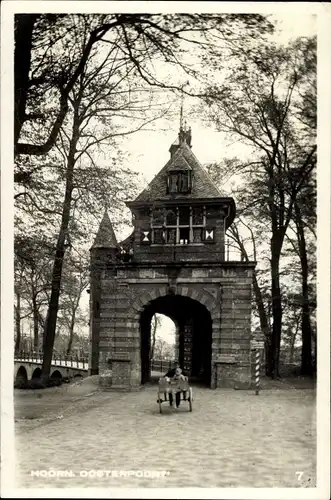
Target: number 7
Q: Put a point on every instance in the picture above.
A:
(299, 474)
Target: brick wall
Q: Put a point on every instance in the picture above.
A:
(225, 290)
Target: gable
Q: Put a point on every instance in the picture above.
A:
(183, 159)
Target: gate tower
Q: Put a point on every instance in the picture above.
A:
(173, 263)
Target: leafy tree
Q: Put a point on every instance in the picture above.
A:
(32, 262)
(248, 241)
(303, 247)
(17, 308)
(86, 184)
(261, 103)
(75, 280)
(163, 349)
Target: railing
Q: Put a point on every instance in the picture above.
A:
(157, 365)
(58, 359)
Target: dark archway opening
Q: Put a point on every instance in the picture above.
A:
(56, 375)
(194, 326)
(36, 374)
(21, 376)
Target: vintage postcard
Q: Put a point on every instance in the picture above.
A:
(165, 250)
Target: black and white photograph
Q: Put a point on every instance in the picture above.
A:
(165, 249)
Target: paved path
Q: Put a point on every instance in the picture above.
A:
(232, 438)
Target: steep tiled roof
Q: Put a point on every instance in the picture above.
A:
(179, 164)
(105, 237)
(202, 187)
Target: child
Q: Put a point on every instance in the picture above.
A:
(178, 376)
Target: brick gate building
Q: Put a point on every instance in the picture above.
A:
(174, 264)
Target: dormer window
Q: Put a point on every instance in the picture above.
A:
(180, 182)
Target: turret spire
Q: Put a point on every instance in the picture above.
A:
(105, 237)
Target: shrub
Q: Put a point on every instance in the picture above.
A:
(37, 383)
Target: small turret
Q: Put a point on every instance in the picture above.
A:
(102, 253)
(105, 237)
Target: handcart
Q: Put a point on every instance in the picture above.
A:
(167, 386)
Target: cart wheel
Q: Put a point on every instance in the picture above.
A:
(160, 402)
(190, 399)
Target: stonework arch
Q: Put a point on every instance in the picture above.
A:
(200, 295)
(36, 373)
(21, 375)
(198, 315)
(205, 297)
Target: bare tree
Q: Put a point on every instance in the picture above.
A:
(155, 324)
(52, 51)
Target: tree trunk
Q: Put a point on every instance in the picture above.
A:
(24, 24)
(35, 323)
(71, 331)
(293, 341)
(306, 354)
(151, 353)
(315, 354)
(18, 322)
(42, 324)
(50, 327)
(44, 333)
(277, 312)
(265, 329)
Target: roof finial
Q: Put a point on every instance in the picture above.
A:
(181, 110)
(183, 123)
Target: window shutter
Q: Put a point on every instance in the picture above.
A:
(146, 237)
(209, 235)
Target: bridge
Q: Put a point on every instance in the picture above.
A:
(27, 366)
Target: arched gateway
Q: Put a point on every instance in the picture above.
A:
(174, 264)
(194, 334)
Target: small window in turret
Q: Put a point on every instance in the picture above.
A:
(179, 182)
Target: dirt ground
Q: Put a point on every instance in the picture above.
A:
(110, 439)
